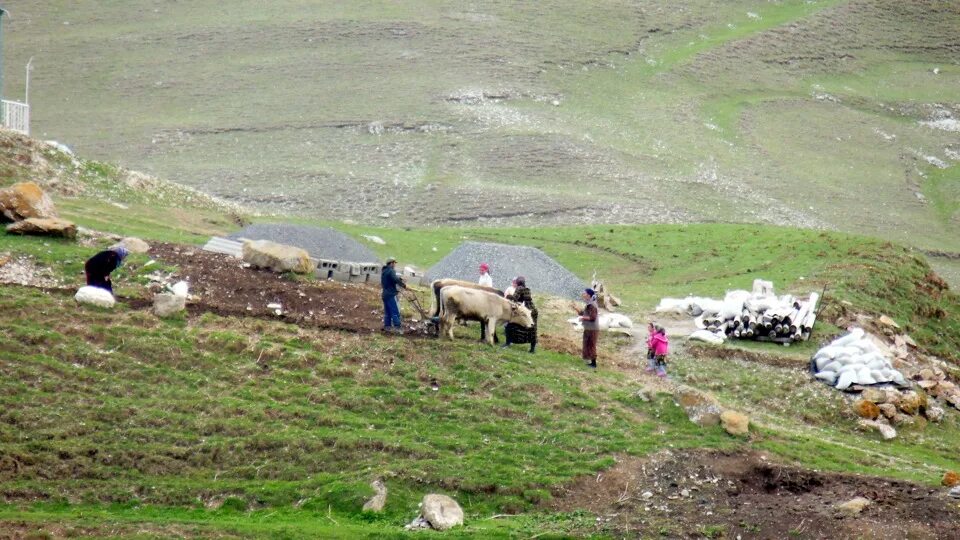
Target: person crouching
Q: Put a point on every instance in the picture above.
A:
(99, 267)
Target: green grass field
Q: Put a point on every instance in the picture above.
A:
(119, 424)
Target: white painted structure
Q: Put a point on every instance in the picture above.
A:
(15, 115)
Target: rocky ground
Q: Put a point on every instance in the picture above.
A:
(697, 494)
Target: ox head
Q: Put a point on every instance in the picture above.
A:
(519, 314)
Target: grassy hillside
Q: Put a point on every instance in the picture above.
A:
(794, 112)
(115, 423)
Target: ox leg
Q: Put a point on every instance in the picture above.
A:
(491, 325)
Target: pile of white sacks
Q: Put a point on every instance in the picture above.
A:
(610, 322)
(854, 359)
(758, 314)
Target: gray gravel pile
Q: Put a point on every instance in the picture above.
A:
(544, 275)
(320, 243)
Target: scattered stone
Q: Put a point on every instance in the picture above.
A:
(701, 410)
(866, 409)
(646, 495)
(277, 257)
(951, 479)
(374, 239)
(888, 410)
(379, 499)
(44, 227)
(853, 507)
(909, 341)
(927, 385)
(133, 245)
(167, 304)
(885, 430)
(25, 200)
(927, 374)
(95, 296)
(955, 492)
(418, 523)
(735, 423)
(887, 321)
(441, 511)
(935, 414)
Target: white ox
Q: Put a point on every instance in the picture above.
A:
(470, 304)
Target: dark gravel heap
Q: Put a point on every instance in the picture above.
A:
(320, 243)
(544, 275)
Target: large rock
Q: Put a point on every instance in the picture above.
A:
(379, 499)
(277, 257)
(700, 409)
(950, 479)
(854, 506)
(25, 200)
(95, 296)
(885, 430)
(866, 409)
(888, 410)
(912, 402)
(735, 423)
(441, 511)
(167, 304)
(935, 414)
(44, 227)
(133, 245)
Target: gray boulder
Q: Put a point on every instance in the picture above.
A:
(277, 257)
(441, 511)
(167, 304)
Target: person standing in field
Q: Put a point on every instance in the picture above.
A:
(589, 318)
(661, 347)
(390, 282)
(485, 278)
(514, 332)
(651, 357)
(99, 267)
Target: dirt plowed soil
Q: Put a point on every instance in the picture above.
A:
(707, 494)
(225, 287)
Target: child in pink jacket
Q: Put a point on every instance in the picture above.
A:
(661, 346)
(651, 358)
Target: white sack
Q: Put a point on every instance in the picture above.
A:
(95, 296)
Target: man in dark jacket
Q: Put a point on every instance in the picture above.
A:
(391, 283)
(99, 267)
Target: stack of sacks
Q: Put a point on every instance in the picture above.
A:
(854, 359)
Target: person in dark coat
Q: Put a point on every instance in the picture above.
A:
(391, 283)
(514, 332)
(99, 267)
(590, 318)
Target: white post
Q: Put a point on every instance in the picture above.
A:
(26, 94)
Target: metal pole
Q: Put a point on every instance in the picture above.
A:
(26, 93)
(2, 13)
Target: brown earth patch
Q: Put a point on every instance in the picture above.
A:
(725, 353)
(226, 288)
(701, 493)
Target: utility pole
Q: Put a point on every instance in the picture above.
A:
(26, 93)
(2, 13)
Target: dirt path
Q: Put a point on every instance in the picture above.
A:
(697, 494)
